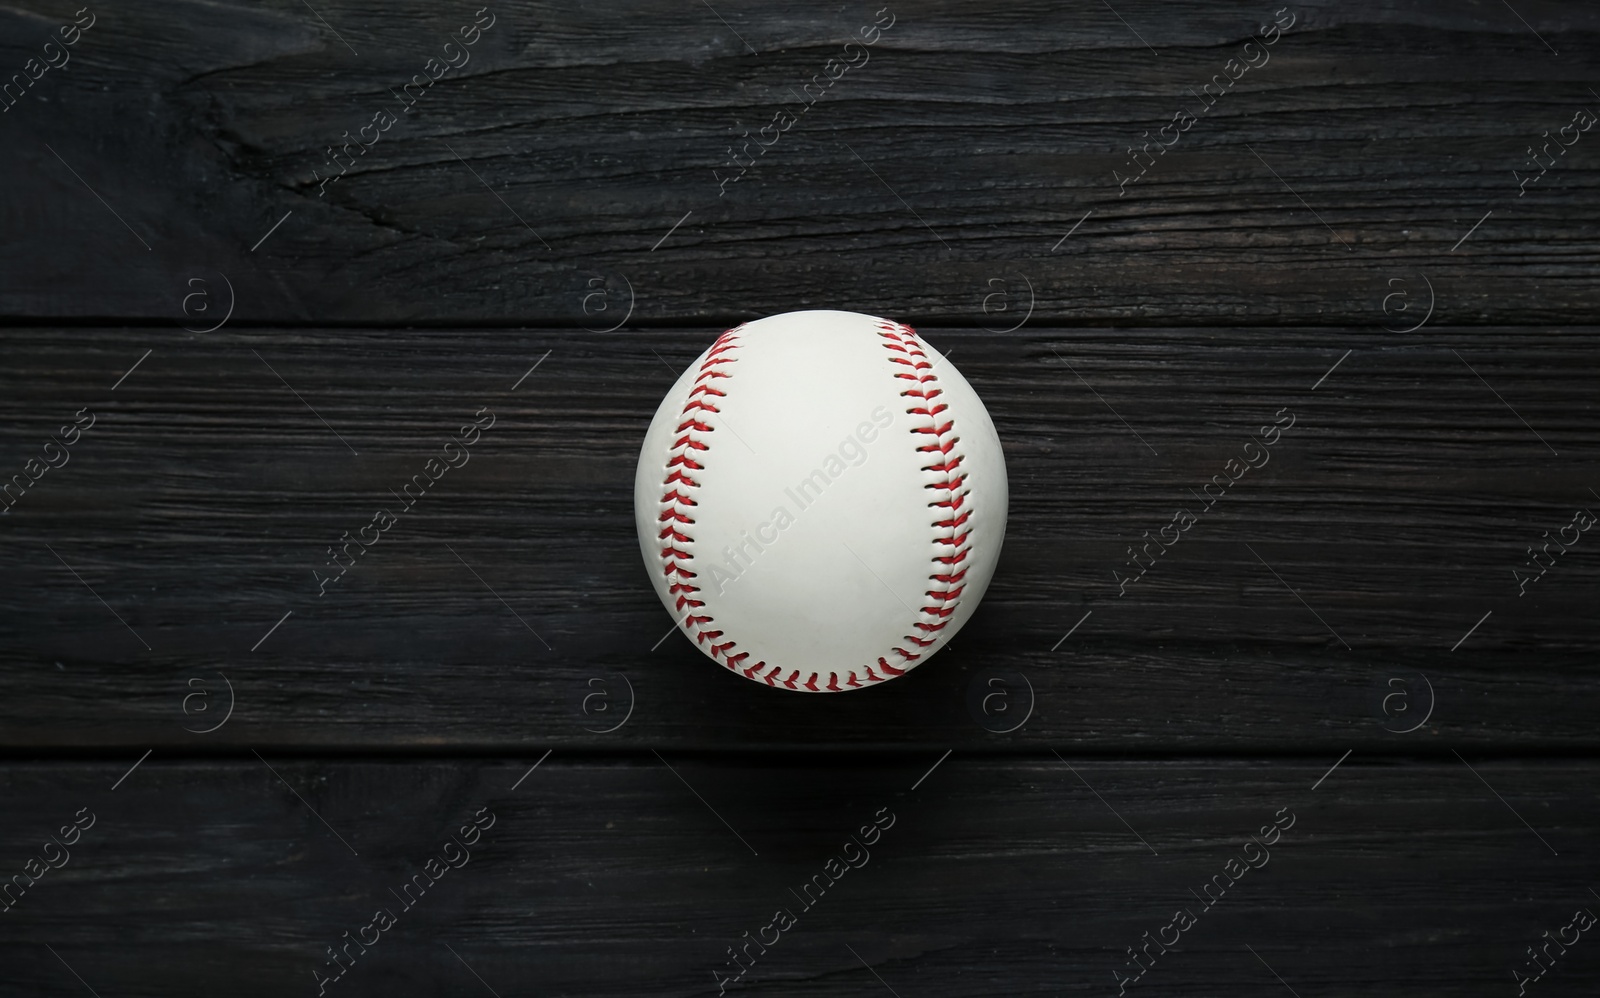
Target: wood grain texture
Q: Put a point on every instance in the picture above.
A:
(575, 140)
(995, 877)
(1383, 530)
(1342, 237)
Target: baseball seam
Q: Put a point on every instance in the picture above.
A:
(950, 504)
(678, 499)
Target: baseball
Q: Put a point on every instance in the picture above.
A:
(820, 501)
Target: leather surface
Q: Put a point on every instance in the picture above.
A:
(819, 540)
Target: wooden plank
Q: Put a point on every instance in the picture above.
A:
(1360, 583)
(609, 877)
(190, 140)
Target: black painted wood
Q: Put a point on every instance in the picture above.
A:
(993, 877)
(1342, 236)
(200, 503)
(585, 144)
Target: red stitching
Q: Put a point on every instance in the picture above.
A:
(953, 510)
(949, 551)
(679, 502)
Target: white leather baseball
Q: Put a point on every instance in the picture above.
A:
(820, 500)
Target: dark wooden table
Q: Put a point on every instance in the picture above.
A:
(1342, 742)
